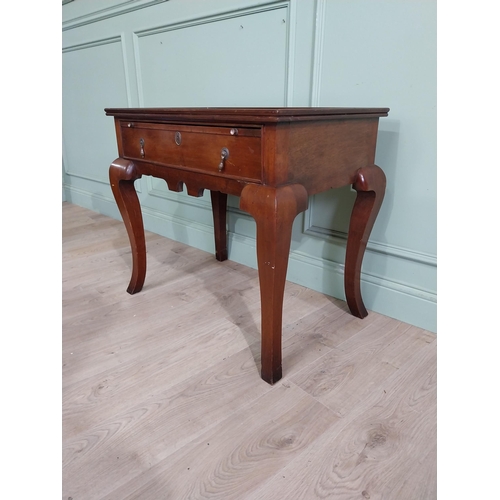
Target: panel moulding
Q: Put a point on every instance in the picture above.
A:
(290, 53)
(105, 41)
(212, 18)
(91, 44)
(337, 268)
(319, 32)
(119, 8)
(374, 246)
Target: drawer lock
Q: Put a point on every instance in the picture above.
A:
(141, 142)
(224, 154)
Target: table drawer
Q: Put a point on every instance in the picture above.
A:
(198, 148)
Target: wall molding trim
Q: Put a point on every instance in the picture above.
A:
(317, 63)
(373, 246)
(120, 8)
(92, 43)
(213, 18)
(337, 268)
(329, 234)
(290, 53)
(85, 177)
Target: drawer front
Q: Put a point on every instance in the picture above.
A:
(197, 148)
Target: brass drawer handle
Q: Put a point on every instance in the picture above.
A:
(224, 154)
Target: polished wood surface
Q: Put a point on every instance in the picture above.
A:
(161, 396)
(274, 210)
(274, 158)
(219, 208)
(370, 186)
(248, 116)
(199, 148)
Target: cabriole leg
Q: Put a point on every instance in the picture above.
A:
(274, 210)
(370, 186)
(122, 174)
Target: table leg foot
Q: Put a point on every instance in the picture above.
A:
(274, 210)
(122, 174)
(219, 208)
(370, 186)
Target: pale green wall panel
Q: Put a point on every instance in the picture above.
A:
(384, 53)
(93, 77)
(227, 61)
(261, 53)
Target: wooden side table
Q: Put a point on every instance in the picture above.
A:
(273, 158)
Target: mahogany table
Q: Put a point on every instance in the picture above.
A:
(273, 158)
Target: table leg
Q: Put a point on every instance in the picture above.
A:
(274, 210)
(122, 174)
(219, 207)
(370, 186)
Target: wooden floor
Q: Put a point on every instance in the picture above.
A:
(162, 397)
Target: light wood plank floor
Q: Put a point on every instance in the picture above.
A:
(162, 397)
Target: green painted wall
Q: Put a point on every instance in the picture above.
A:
(269, 53)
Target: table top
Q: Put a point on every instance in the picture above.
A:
(245, 115)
